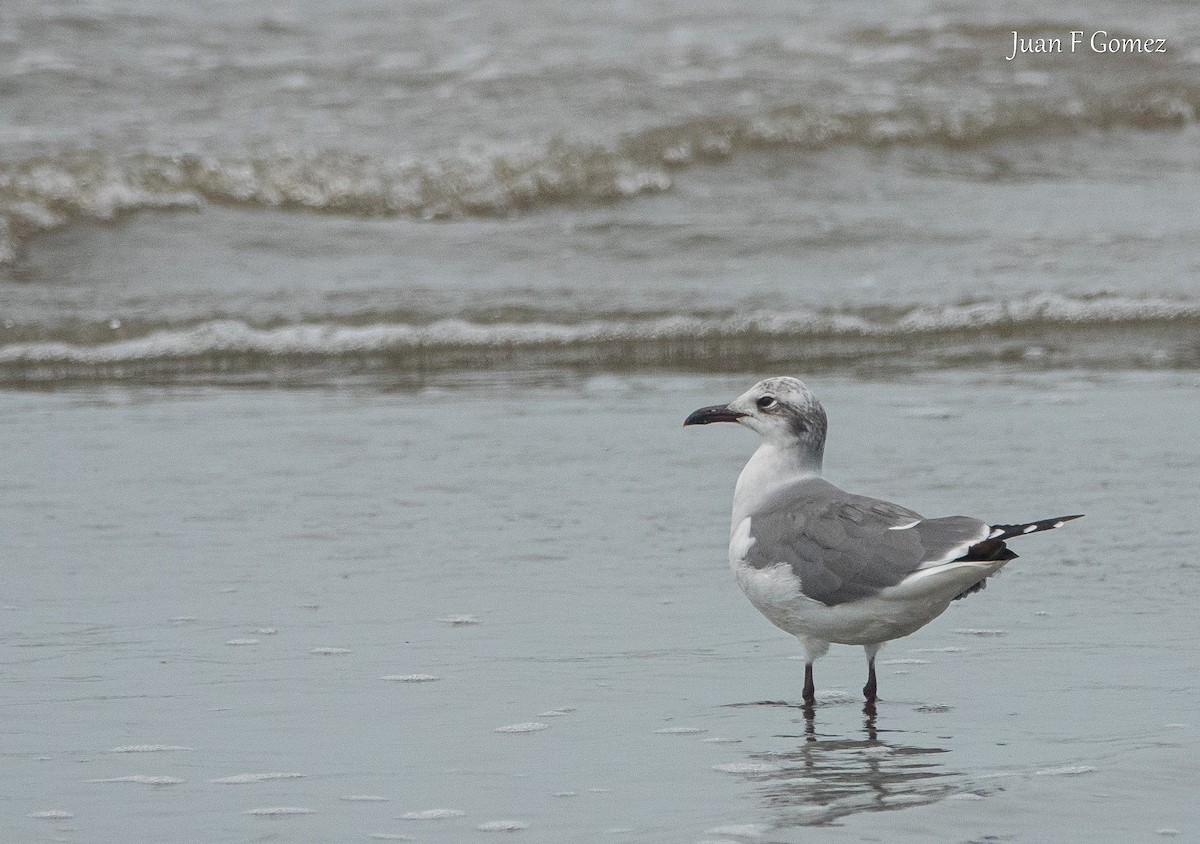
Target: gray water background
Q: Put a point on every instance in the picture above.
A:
(371, 327)
(283, 192)
(555, 554)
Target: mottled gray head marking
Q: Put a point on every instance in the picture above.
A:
(781, 410)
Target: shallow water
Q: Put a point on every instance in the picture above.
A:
(343, 355)
(249, 593)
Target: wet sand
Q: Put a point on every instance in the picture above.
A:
(337, 615)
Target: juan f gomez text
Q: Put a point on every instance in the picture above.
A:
(1078, 40)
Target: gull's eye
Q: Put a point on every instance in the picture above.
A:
(766, 402)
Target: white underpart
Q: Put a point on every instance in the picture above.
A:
(911, 524)
(771, 588)
(894, 612)
(740, 542)
(995, 532)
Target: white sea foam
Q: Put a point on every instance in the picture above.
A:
(503, 826)
(680, 731)
(432, 815)
(747, 768)
(244, 779)
(141, 779)
(1066, 771)
(524, 727)
(148, 748)
(279, 811)
(48, 193)
(976, 632)
(332, 340)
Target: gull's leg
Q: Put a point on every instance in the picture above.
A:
(869, 689)
(814, 649)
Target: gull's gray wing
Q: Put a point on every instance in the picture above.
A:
(844, 547)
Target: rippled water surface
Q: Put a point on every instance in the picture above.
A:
(344, 350)
(283, 192)
(482, 607)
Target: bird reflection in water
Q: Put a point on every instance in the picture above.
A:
(827, 777)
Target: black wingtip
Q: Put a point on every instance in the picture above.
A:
(1006, 532)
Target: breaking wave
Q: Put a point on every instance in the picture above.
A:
(914, 124)
(43, 194)
(1042, 332)
(48, 193)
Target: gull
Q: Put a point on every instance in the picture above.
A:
(829, 566)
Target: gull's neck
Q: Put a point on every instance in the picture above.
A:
(770, 467)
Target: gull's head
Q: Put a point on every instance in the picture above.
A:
(782, 410)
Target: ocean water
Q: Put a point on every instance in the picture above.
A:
(290, 192)
(343, 355)
(514, 604)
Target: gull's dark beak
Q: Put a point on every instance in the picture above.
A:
(716, 413)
